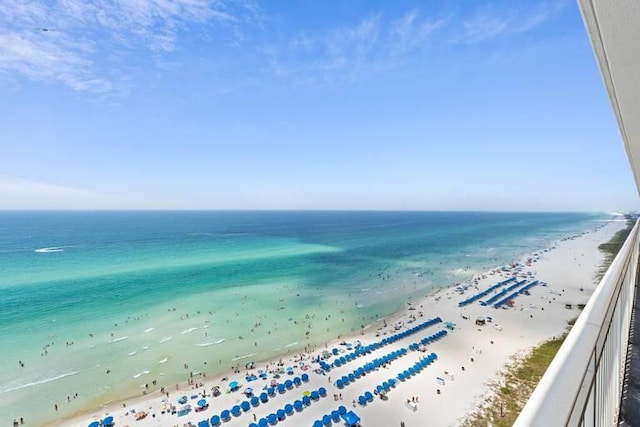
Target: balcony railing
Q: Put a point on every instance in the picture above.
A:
(583, 384)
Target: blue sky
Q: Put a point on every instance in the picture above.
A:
(197, 104)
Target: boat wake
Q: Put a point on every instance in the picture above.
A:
(51, 249)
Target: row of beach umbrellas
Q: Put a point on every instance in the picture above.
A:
(290, 408)
(368, 367)
(479, 295)
(426, 340)
(363, 350)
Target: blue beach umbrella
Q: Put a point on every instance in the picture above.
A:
(288, 408)
(245, 406)
(335, 415)
(203, 423)
(342, 410)
(339, 384)
(264, 397)
(306, 400)
(368, 396)
(317, 423)
(202, 403)
(95, 424)
(215, 420)
(236, 410)
(315, 395)
(281, 388)
(253, 425)
(305, 377)
(254, 401)
(362, 400)
(263, 422)
(233, 384)
(288, 383)
(297, 380)
(271, 391)
(107, 421)
(280, 414)
(322, 391)
(272, 419)
(326, 420)
(225, 415)
(298, 405)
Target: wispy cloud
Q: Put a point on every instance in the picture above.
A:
(487, 23)
(65, 40)
(343, 53)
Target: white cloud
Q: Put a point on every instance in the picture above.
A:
(487, 23)
(64, 40)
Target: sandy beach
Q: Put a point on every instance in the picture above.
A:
(469, 356)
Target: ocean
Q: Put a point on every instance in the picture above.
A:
(99, 304)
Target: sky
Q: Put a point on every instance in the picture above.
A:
(360, 104)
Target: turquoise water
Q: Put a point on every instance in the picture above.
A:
(141, 294)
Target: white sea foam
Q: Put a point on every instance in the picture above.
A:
(165, 339)
(208, 343)
(246, 356)
(148, 330)
(141, 373)
(120, 339)
(164, 360)
(146, 347)
(186, 331)
(291, 345)
(133, 353)
(44, 381)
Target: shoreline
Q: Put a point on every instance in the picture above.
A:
(434, 303)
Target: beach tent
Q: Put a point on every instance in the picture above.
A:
(215, 420)
(350, 418)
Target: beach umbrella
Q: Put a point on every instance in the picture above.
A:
(339, 384)
(263, 422)
(215, 420)
(368, 396)
(107, 421)
(271, 391)
(288, 383)
(315, 395)
(306, 400)
(322, 391)
(334, 351)
(326, 420)
(342, 410)
(264, 397)
(345, 380)
(272, 418)
(305, 377)
(253, 425)
(280, 413)
(352, 377)
(254, 401)
(245, 406)
(317, 423)
(233, 384)
(225, 415)
(362, 400)
(335, 415)
(288, 408)
(236, 410)
(203, 423)
(281, 388)
(298, 405)
(297, 380)
(202, 403)
(95, 424)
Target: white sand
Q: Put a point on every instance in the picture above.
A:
(566, 268)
